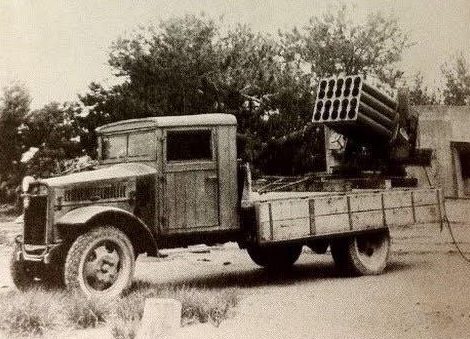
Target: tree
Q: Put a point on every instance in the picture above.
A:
(14, 105)
(188, 65)
(419, 94)
(333, 44)
(53, 131)
(457, 82)
(169, 69)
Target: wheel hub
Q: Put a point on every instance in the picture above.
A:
(101, 268)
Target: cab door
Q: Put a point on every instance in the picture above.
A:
(191, 199)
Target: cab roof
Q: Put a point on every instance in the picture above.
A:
(210, 119)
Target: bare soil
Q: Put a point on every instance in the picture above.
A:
(424, 292)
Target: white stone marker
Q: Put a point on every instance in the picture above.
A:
(161, 319)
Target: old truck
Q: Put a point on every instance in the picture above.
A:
(175, 181)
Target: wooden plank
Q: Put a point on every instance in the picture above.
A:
(191, 199)
(362, 202)
(170, 206)
(425, 197)
(291, 229)
(367, 220)
(427, 214)
(311, 211)
(326, 205)
(201, 208)
(211, 200)
(399, 216)
(397, 199)
(180, 199)
(223, 154)
(290, 209)
(233, 221)
(334, 223)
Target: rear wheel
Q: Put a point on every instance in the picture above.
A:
(100, 263)
(364, 254)
(275, 257)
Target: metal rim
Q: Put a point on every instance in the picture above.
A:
(104, 266)
(372, 250)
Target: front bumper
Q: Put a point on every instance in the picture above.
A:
(35, 253)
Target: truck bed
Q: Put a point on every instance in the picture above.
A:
(283, 216)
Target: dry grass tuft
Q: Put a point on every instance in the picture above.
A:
(31, 313)
(37, 311)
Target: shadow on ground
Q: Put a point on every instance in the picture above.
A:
(259, 277)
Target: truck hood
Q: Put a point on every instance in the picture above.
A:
(118, 171)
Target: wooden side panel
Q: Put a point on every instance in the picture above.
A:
(170, 202)
(397, 199)
(227, 170)
(426, 214)
(399, 216)
(332, 223)
(367, 220)
(293, 218)
(325, 205)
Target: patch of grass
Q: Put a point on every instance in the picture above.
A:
(198, 305)
(37, 311)
(31, 313)
(86, 313)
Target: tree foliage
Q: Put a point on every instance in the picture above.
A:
(457, 81)
(334, 44)
(53, 131)
(188, 65)
(420, 94)
(14, 105)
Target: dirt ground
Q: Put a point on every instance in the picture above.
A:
(424, 292)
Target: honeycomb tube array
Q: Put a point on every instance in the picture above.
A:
(350, 104)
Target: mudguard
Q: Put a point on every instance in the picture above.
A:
(83, 217)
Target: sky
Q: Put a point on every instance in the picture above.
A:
(57, 47)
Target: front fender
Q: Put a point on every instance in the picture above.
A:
(81, 219)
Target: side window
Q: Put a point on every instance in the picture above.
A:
(189, 145)
(142, 144)
(132, 145)
(114, 146)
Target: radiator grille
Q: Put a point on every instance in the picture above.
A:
(112, 191)
(35, 221)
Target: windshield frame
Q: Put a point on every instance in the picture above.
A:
(150, 157)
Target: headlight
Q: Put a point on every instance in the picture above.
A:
(28, 180)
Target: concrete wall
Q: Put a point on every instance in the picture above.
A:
(439, 126)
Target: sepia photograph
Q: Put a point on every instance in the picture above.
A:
(215, 169)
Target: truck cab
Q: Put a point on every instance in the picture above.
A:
(161, 182)
(194, 188)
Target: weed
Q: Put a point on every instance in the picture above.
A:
(31, 313)
(85, 312)
(37, 311)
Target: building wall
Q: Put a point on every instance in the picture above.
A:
(440, 128)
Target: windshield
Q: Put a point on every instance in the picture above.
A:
(129, 145)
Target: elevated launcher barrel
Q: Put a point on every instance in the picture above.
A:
(355, 109)
(369, 117)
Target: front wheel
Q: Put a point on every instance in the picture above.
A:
(278, 257)
(100, 263)
(364, 254)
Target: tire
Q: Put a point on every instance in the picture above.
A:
(365, 254)
(275, 257)
(100, 263)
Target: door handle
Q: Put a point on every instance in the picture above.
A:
(211, 177)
